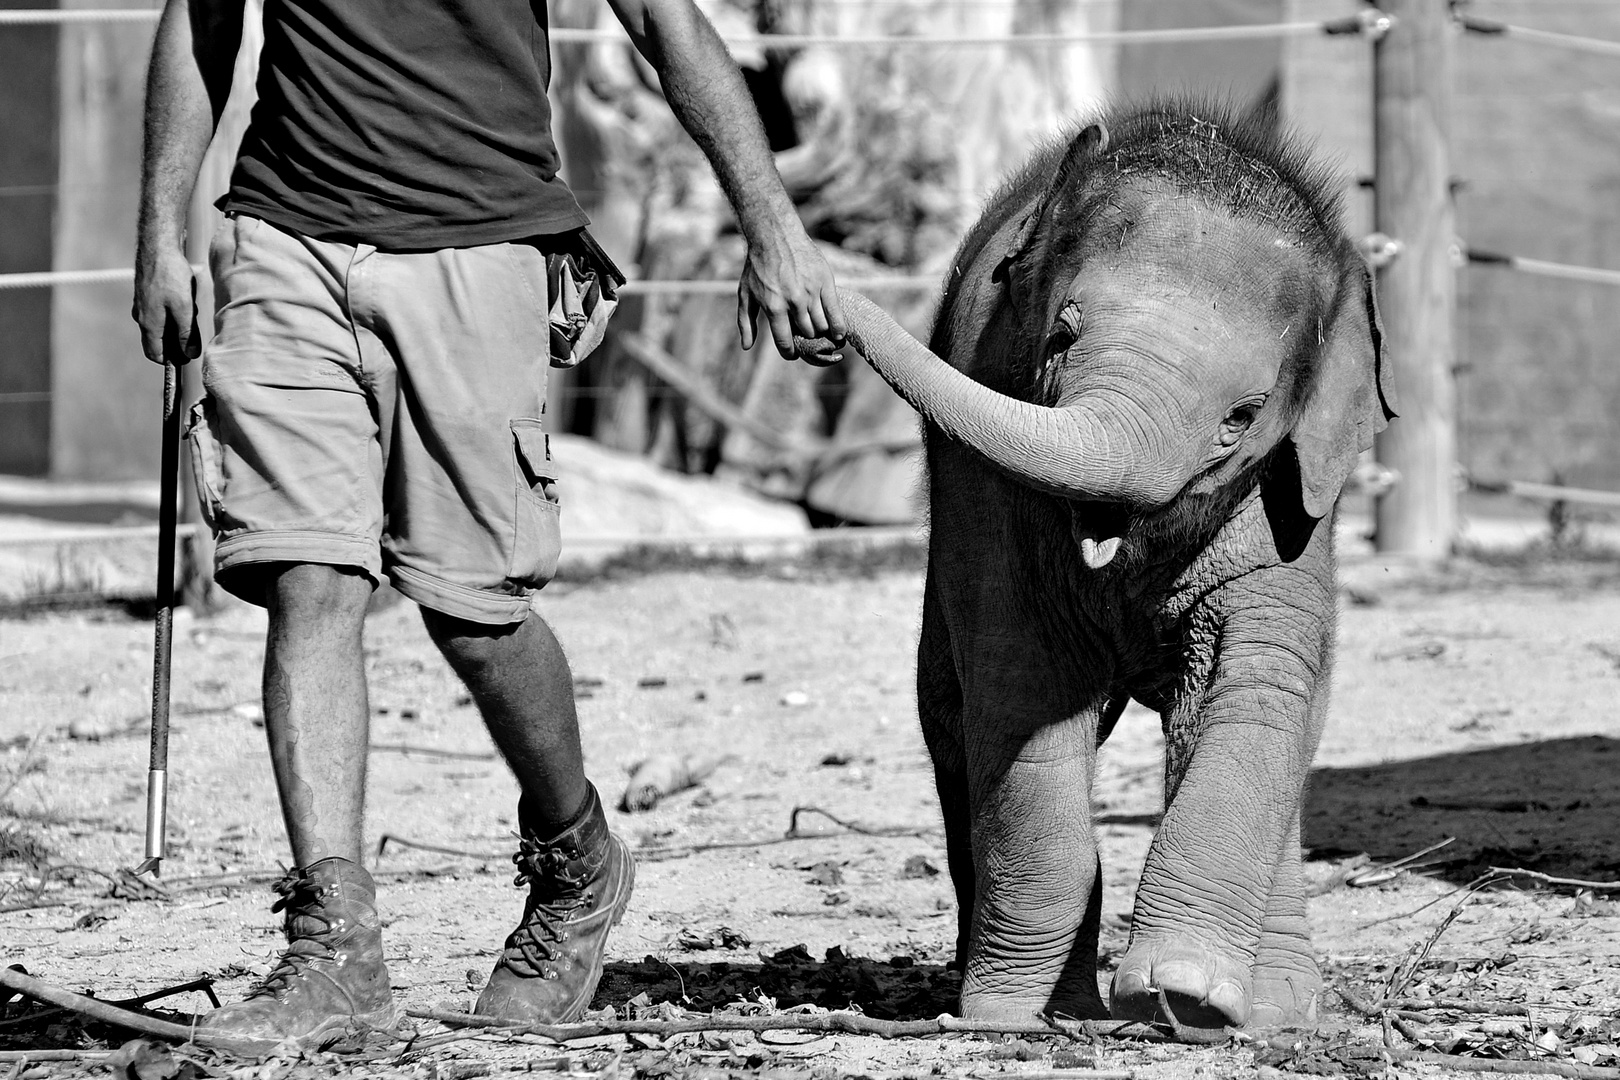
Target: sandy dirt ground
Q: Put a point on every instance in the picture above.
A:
(1477, 703)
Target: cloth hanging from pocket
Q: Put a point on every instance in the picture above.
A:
(582, 286)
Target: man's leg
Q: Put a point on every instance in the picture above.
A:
(315, 711)
(520, 679)
(332, 974)
(579, 874)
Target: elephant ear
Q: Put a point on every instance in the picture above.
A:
(1021, 247)
(1351, 399)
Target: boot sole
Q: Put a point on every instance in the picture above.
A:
(323, 1034)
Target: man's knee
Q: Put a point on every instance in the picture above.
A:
(473, 645)
(464, 639)
(316, 590)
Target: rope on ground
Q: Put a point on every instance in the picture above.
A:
(1525, 489)
(1491, 28)
(1369, 23)
(1543, 268)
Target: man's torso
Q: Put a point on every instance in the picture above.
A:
(410, 126)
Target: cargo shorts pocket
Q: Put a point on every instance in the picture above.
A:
(203, 449)
(537, 535)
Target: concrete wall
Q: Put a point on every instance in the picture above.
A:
(106, 400)
(27, 206)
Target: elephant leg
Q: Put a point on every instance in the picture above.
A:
(939, 706)
(1217, 870)
(1287, 982)
(1032, 946)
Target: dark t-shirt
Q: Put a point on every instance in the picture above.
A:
(409, 126)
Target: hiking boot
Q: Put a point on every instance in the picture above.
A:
(331, 978)
(579, 885)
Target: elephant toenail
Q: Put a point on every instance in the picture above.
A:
(1131, 984)
(1230, 999)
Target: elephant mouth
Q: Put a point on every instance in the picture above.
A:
(1099, 528)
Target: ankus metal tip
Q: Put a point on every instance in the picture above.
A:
(157, 808)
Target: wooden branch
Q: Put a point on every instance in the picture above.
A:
(1548, 879)
(105, 1013)
(1459, 1063)
(410, 749)
(204, 984)
(31, 1056)
(845, 1023)
(1484, 1008)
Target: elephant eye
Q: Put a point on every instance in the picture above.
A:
(1066, 331)
(1239, 420)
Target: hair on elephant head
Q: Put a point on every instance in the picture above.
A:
(1159, 311)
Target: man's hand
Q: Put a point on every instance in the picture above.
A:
(166, 306)
(785, 277)
(187, 84)
(789, 281)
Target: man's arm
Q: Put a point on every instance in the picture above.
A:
(193, 59)
(784, 275)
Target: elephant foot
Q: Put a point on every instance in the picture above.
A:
(1203, 987)
(1020, 988)
(1287, 984)
(984, 1004)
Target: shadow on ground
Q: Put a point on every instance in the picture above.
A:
(1550, 806)
(893, 989)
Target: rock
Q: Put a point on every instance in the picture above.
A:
(826, 873)
(87, 729)
(918, 866)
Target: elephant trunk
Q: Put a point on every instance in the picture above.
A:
(1091, 448)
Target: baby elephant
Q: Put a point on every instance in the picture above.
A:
(1153, 367)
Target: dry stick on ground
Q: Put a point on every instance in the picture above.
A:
(409, 749)
(1381, 872)
(179, 886)
(1486, 1008)
(105, 1013)
(845, 1023)
(1412, 1034)
(1472, 887)
(1548, 879)
(854, 827)
(1459, 1063)
(31, 1056)
(1402, 976)
(677, 851)
(204, 984)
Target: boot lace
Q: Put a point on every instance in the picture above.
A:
(556, 895)
(306, 928)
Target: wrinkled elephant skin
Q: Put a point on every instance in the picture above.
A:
(1154, 365)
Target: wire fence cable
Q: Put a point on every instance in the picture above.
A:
(41, 279)
(1543, 268)
(1492, 28)
(1356, 24)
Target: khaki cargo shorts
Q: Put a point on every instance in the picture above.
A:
(381, 411)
